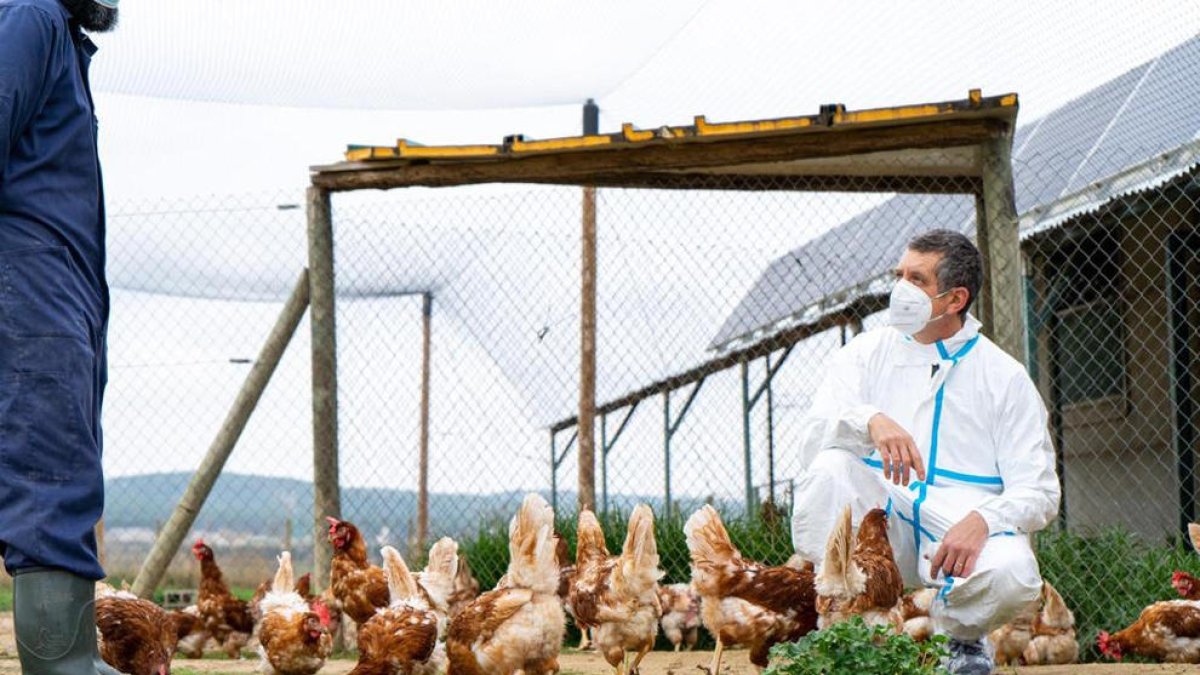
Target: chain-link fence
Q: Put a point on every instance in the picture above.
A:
(716, 313)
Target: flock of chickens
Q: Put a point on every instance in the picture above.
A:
(435, 620)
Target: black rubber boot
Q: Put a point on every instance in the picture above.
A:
(54, 614)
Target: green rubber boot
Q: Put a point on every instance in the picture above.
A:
(54, 614)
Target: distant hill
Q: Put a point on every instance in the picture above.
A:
(260, 505)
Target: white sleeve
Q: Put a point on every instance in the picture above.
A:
(840, 411)
(1026, 463)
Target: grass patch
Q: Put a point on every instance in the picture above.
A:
(5, 598)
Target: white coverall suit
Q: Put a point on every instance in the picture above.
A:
(980, 425)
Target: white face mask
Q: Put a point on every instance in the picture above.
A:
(910, 308)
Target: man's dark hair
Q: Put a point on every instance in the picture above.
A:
(961, 264)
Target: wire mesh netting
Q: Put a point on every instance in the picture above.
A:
(716, 312)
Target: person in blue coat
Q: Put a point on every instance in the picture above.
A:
(53, 322)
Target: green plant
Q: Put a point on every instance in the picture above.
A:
(853, 647)
(5, 598)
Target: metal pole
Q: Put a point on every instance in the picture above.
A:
(770, 433)
(326, 500)
(170, 536)
(554, 471)
(604, 461)
(423, 471)
(746, 439)
(1183, 429)
(667, 453)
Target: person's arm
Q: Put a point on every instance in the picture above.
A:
(839, 415)
(27, 37)
(1026, 463)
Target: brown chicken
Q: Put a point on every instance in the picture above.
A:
(859, 576)
(466, 586)
(1185, 584)
(1053, 640)
(403, 638)
(520, 627)
(359, 586)
(1010, 640)
(226, 618)
(134, 636)
(617, 596)
(911, 614)
(1165, 631)
(680, 615)
(190, 635)
(293, 639)
(744, 602)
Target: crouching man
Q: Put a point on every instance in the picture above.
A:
(930, 420)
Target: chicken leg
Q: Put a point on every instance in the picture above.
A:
(715, 669)
(634, 668)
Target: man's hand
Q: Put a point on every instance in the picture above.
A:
(897, 448)
(960, 548)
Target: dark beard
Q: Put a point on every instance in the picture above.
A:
(91, 16)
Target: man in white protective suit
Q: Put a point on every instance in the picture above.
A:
(930, 420)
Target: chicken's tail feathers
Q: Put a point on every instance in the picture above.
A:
(1055, 612)
(589, 543)
(283, 582)
(531, 547)
(839, 575)
(400, 581)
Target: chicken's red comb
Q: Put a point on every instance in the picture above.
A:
(1106, 646)
(199, 542)
(1179, 576)
(322, 611)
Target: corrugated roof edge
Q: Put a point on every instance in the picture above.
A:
(1137, 179)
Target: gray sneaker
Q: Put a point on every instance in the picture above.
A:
(969, 658)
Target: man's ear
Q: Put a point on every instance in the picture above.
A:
(959, 298)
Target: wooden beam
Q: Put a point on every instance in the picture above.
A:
(583, 167)
(860, 307)
(587, 354)
(1002, 296)
(326, 498)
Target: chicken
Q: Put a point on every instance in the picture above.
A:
(617, 596)
(403, 638)
(520, 627)
(303, 588)
(744, 602)
(436, 582)
(1053, 640)
(1165, 631)
(224, 617)
(134, 636)
(190, 635)
(466, 587)
(680, 615)
(860, 581)
(911, 615)
(1010, 640)
(359, 587)
(293, 639)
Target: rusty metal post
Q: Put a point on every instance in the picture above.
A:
(587, 356)
(423, 471)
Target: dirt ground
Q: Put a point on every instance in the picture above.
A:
(581, 663)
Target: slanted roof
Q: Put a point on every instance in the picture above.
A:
(878, 150)
(1135, 131)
